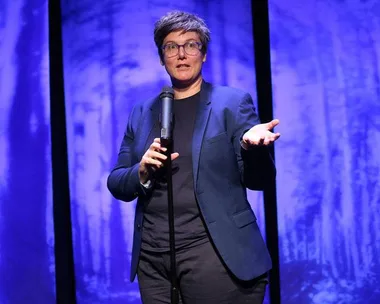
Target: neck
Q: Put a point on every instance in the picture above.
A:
(184, 91)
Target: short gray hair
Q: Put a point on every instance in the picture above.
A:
(177, 21)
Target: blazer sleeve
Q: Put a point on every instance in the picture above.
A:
(123, 182)
(256, 165)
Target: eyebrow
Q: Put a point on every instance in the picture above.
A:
(171, 41)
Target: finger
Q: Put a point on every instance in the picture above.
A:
(267, 141)
(254, 141)
(157, 147)
(158, 141)
(270, 125)
(151, 161)
(156, 155)
(174, 155)
(261, 140)
(271, 139)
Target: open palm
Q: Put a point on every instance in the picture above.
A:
(261, 134)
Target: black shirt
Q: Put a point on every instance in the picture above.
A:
(189, 227)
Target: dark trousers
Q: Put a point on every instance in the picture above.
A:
(203, 279)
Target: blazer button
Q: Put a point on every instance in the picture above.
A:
(138, 227)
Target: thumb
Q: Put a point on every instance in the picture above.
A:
(270, 125)
(174, 155)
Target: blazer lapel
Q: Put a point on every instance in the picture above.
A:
(150, 125)
(201, 120)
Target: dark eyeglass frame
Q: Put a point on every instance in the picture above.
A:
(199, 44)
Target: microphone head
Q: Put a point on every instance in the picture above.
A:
(167, 92)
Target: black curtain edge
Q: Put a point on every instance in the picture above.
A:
(63, 244)
(261, 36)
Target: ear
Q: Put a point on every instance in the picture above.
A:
(204, 58)
(161, 62)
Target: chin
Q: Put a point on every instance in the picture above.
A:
(183, 79)
(184, 76)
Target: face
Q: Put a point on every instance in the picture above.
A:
(183, 69)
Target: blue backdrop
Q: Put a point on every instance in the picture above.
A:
(110, 63)
(326, 85)
(326, 80)
(26, 224)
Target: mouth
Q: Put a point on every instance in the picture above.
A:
(182, 66)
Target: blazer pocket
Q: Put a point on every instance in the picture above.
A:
(244, 218)
(216, 137)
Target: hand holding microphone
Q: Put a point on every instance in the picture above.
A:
(155, 157)
(152, 160)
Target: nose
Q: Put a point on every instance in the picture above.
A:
(181, 52)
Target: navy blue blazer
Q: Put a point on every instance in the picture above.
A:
(222, 171)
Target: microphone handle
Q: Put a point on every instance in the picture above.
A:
(167, 122)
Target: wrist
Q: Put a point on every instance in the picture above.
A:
(143, 176)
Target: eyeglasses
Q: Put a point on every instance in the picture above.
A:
(191, 48)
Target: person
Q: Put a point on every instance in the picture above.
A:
(220, 150)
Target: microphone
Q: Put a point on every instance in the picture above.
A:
(166, 96)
